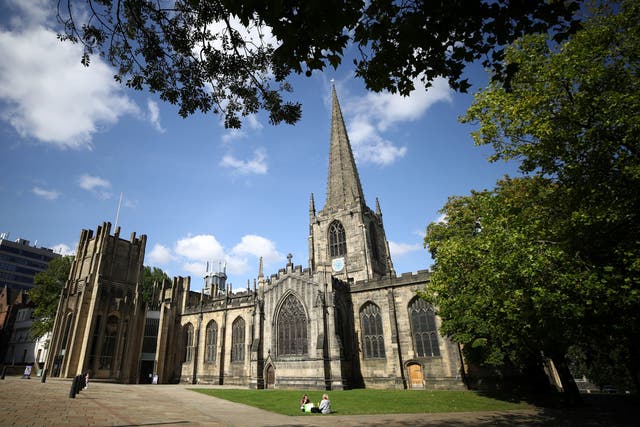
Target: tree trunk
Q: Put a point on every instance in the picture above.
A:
(569, 387)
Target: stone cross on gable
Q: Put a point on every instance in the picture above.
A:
(289, 263)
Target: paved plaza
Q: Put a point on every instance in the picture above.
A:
(29, 402)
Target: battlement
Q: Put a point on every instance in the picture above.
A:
(405, 279)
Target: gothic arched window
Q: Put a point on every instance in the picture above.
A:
(423, 328)
(337, 240)
(292, 328)
(211, 339)
(188, 343)
(237, 340)
(372, 335)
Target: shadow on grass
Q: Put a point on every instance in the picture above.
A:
(596, 409)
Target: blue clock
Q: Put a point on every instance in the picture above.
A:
(337, 264)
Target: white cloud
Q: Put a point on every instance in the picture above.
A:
(375, 113)
(46, 93)
(193, 253)
(154, 115)
(96, 185)
(257, 165)
(233, 135)
(197, 269)
(160, 254)
(399, 249)
(45, 194)
(257, 246)
(90, 183)
(63, 249)
(201, 248)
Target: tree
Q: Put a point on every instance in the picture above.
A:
(234, 57)
(570, 113)
(150, 276)
(553, 260)
(46, 294)
(502, 283)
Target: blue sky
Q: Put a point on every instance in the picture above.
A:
(72, 140)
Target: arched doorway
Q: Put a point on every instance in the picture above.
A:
(270, 377)
(416, 379)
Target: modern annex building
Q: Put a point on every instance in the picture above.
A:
(344, 321)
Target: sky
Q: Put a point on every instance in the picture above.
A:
(72, 141)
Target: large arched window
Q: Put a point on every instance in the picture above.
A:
(337, 240)
(423, 328)
(188, 342)
(372, 336)
(237, 340)
(292, 328)
(211, 339)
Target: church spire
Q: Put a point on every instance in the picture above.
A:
(344, 186)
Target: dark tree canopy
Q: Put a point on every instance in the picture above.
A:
(200, 55)
(46, 294)
(570, 114)
(151, 275)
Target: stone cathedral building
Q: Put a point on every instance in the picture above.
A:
(346, 320)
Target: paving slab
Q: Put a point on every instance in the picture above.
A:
(29, 402)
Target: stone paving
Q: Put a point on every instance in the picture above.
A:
(29, 402)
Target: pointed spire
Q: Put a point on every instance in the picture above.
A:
(260, 273)
(378, 211)
(312, 207)
(343, 186)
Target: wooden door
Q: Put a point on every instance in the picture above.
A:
(270, 377)
(416, 380)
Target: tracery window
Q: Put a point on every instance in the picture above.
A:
(211, 339)
(372, 335)
(337, 240)
(237, 340)
(292, 328)
(424, 329)
(188, 343)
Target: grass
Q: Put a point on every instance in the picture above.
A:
(368, 401)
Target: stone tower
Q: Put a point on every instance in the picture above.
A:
(347, 237)
(100, 317)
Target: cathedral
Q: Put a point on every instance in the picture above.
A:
(344, 321)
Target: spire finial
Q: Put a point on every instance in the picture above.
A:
(260, 274)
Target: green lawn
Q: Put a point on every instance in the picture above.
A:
(367, 401)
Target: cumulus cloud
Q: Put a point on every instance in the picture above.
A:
(193, 253)
(154, 115)
(371, 115)
(96, 185)
(399, 249)
(46, 93)
(257, 246)
(201, 248)
(160, 254)
(63, 249)
(45, 194)
(257, 165)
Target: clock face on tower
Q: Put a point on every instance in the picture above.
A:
(337, 264)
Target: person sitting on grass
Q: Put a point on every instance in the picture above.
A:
(304, 401)
(324, 407)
